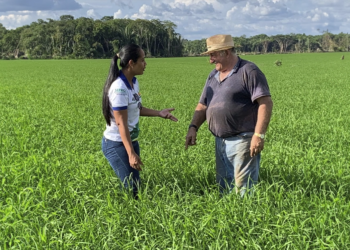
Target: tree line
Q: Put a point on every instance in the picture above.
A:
(70, 38)
(87, 38)
(291, 43)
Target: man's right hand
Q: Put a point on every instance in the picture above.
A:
(191, 137)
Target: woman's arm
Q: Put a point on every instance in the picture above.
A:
(165, 113)
(121, 119)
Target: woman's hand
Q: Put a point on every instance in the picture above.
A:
(166, 114)
(135, 161)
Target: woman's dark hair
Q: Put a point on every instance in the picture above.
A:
(127, 53)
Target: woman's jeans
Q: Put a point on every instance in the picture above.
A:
(234, 166)
(118, 158)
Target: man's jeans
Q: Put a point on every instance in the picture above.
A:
(234, 166)
(118, 158)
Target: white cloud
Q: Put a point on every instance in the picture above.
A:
(264, 8)
(191, 2)
(229, 13)
(326, 2)
(117, 14)
(315, 18)
(92, 13)
(317, 15)
(13, 20)
(229, 1)
(26, 12)
(145, 9)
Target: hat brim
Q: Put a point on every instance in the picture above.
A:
(218, 49)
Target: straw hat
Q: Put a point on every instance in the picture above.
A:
(218, 42)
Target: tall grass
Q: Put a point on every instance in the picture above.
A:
(58, 192)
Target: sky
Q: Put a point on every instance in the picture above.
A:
(196, 19)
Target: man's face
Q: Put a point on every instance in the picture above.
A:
(219, 58)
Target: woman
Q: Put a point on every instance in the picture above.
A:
(121, 106)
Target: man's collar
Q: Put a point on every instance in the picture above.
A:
(234, 70)
(236, 67)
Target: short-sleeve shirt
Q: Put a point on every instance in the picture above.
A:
(231, 104)
(122, 97)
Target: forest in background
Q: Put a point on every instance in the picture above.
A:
(83, 38)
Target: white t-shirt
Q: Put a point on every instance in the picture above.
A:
(122, 97)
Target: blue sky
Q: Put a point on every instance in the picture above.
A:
(196, 19)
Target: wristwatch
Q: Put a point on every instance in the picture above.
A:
(193, 126)
(262, 136)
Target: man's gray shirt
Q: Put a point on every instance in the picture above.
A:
(231, 104)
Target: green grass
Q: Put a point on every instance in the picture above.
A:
(58, 192)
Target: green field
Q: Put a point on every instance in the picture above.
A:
(57, 191)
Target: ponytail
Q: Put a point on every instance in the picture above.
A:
(112, 76)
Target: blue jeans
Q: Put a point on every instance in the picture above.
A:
(234, 166)
(118, 158)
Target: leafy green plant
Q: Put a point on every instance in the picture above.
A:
(278, 63)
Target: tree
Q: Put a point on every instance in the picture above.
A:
(283, 41)
(67, 18)
(260, 43)
(83, 38)
(106, 18)
(2, 34)
(11, 42)
(326, 41)
(241, 44)
(142, 29)
(342, 41)
(158, 37)
(169, 27)
(64, 37)
(2, 31)
(101, 33)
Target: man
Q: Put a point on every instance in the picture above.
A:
(237, 105)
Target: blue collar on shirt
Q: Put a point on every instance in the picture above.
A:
(123, 77)
(234, 70)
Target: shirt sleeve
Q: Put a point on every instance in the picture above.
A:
(119, 98)
(204, 98)
(257, 84)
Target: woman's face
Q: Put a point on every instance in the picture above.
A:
(139, 66)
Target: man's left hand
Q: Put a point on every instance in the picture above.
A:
(256, 145)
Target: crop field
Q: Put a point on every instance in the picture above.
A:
(57, 191)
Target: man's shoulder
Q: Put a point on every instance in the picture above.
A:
(248, 65)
